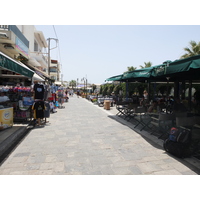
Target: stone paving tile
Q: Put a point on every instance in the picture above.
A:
(167, 172)
(84, 139)
(135, 170)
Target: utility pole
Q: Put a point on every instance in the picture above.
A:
(49, 49)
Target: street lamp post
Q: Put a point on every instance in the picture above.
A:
(85, 84)
(77, 85)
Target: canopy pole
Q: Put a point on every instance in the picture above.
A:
(127, 90)
(183, 90)
(148, 97)
(167, 86)
(154, 90)
(176, 89)
(190, 94)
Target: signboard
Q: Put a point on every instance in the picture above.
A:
(6, 118)
(21, 47)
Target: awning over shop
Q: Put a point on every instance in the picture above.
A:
(42, 74)
(14, 66)
(58, 82)
(37, 78)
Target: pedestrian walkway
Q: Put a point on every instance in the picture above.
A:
(85, 139)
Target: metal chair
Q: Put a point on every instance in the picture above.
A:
(163, 123)
(141, 117)
(120, 106)
(130, 111)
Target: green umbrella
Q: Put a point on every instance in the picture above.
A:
(182, 69)
(114, 78)
(137, 75)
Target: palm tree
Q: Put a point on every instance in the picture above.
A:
(130, 69)
(146, 64)
(193, 50)
(72, 83)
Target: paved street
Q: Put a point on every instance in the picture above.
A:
(85, 139)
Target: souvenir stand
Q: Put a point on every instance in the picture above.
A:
(53, 98)
(38, 106)
(20, 99)
(15, 82)
(61, 98)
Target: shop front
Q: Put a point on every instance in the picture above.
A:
(15, 86)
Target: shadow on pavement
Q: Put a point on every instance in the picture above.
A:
(190, 162)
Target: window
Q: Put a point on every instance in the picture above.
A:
(53, 70)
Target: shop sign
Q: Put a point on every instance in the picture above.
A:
(21, 46)
(6, 118)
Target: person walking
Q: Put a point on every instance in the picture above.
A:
(78, 93)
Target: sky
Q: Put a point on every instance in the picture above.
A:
(97, 52)
(100, 39)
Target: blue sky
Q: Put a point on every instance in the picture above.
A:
(101, 51)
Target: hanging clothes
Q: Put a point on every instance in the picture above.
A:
(39, 91)
(38, 108)
(47, 109)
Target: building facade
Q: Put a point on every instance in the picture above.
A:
(28, 45)
(55, 70)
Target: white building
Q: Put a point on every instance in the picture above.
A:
(24, 43)
(37, 49)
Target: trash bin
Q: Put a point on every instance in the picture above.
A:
(107, 104)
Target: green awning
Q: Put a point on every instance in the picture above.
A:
(179, 69)
(183, 69)
(114, 78)
(14, 66)
(138, 74)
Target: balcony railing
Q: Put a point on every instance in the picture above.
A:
(5, 27)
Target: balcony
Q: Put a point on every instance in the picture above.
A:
(40, 58)
(12, 39)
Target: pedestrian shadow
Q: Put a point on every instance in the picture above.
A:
(190, 162)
